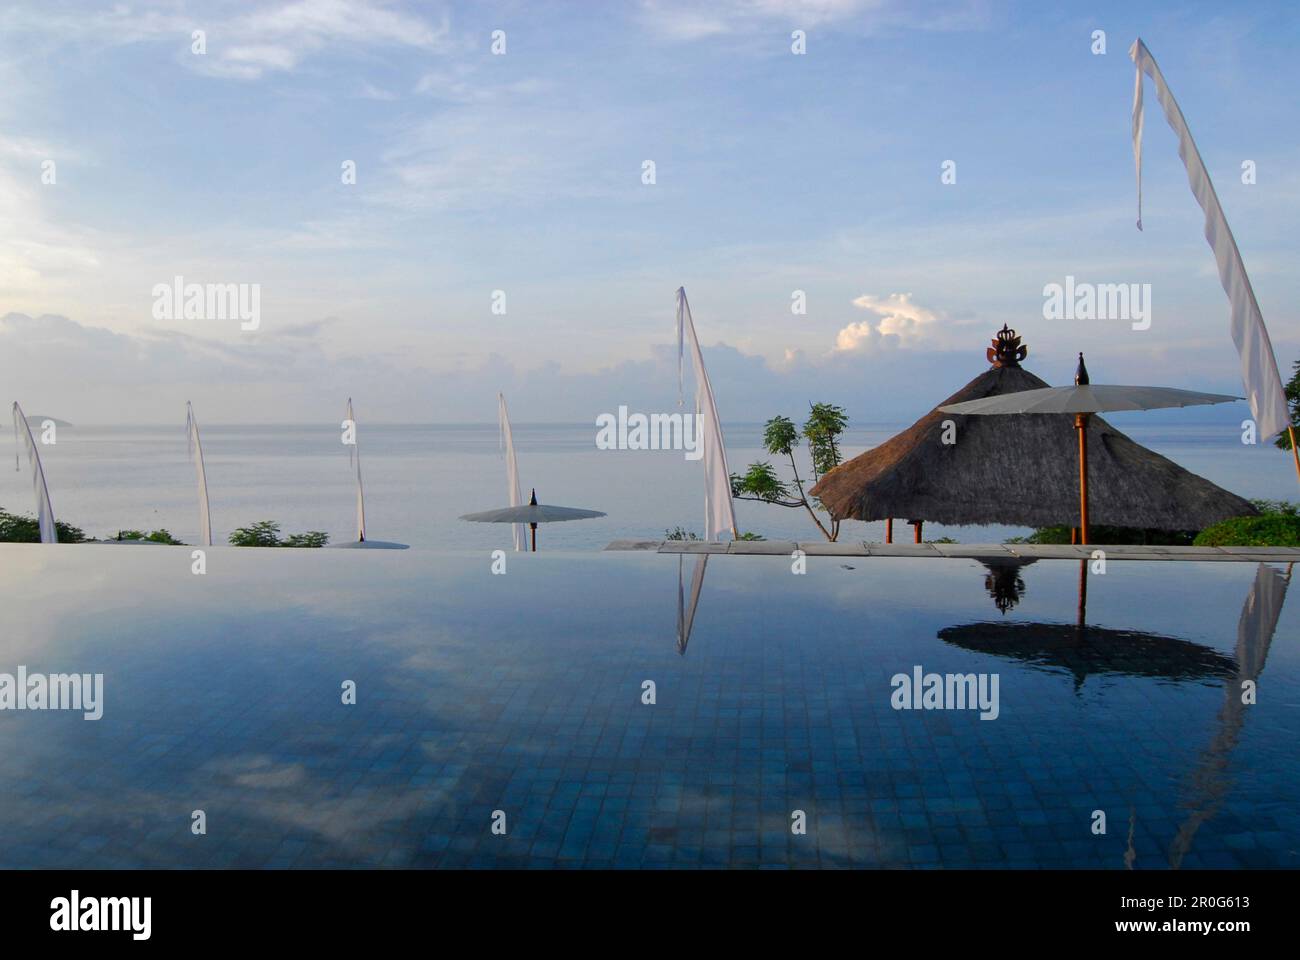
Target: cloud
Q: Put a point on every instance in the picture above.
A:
(899, 318)
(688, 20)
(240, 45)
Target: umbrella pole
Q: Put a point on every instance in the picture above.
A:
(1083, 593)
(534, 526)
(1081, 424)
(889, 530)
(1295, 454)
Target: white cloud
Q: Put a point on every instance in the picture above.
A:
(685, 20)
(241, 46)
(899, 318)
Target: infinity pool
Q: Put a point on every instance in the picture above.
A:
(502, 720)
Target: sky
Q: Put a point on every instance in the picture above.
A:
(500, 233)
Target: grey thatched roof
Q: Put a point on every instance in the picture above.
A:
(1020, 470)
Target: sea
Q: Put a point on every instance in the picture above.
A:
(419, 479)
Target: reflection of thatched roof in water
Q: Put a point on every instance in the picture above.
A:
(1003, 581)
(1020, 469)
(1085, 651)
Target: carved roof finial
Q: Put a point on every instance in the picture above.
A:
(1007, 350)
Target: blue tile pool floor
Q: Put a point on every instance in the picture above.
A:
(523, 694)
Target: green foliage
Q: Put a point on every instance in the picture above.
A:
(1269, 530)
(780, 436)
(822, 430)
(749, 535)
(15, 528)
(157, 536)
(1104, 534)
(266, 533)
(1284, 507)
(263, 533)
(943, 540)
(760, 482)
(823, 427)
(312, 538)
(679, 533)
(1293, 403)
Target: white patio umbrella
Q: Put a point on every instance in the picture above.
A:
(1083, 400)
(532, 513)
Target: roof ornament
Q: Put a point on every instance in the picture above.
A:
(1081, 374)
(1006, 350)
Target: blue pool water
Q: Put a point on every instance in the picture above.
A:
(522, 693)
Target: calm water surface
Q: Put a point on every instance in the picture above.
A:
(522, 693)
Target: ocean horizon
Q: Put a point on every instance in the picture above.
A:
(420, 478)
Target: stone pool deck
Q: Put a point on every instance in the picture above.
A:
(971, 551)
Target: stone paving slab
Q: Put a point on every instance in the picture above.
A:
(824, 548)
(762, 547)
(1271, 551)
(634, 545)
(693, 546)
(1050, 551)
(902, 550)
(974, 551)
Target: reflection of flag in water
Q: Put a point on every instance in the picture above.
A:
(685, 613)
(1209, 782)
(512, 468)
(44, 511)
(196, 454)
(1258, 364)
(719, 511)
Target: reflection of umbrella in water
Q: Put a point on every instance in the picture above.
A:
(1003, 581)
(1083, 400)
(1093, 651)
(532, 513)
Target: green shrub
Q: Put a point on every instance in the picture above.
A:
(1268, 530)
(263, 533)
(20, 529)
(1115, 535)
(266, 533)
(157, 536)
(312, 538)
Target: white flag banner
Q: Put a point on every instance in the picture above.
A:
(354, 457)
(1258, 364)
(719, 512)
(512, 469)
(196, 455)
(44, 511)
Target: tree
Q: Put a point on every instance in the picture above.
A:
(822, 429)
(15, 528)
(266, 533)
(263, 533)
(1292, 390)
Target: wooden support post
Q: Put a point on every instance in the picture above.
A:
(889, 530)
(1081, 424)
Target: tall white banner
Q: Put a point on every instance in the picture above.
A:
(512, 469)
(719, 511)
(44, 511)
(196, 455)
(354, 456)
(1258, 364)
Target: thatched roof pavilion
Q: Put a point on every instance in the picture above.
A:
(1020, 469)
